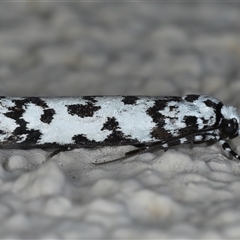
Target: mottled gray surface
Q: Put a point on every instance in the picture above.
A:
(92, 48)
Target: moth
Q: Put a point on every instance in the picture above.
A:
(146, 122)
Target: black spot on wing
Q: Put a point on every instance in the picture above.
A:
(18, 109)
(130, 100)
(191, 126)
(217, 109)
(37, 101)
(47, 115)
(172, 108)
(218, 113)
(190, 120)
(81, 139)
(34, 100)
(82, 110)
(111, 124)
(90, 99)
(153, 111)
(116, 137)
(16, 112)
(159, 131)
(159, 105)
(210, 103)
(32, 135)
(192, 97)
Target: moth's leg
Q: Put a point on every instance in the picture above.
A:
(140, 145)
(165, 145)
(193, 139)
(226, 147)
(203, 138)
(127, 155)
(200, 139)
(62, 149)
(151, 148)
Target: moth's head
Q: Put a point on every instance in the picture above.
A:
(229, 126)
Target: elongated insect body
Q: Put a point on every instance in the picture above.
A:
(32, 122)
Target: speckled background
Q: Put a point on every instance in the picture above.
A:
(108, 48)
